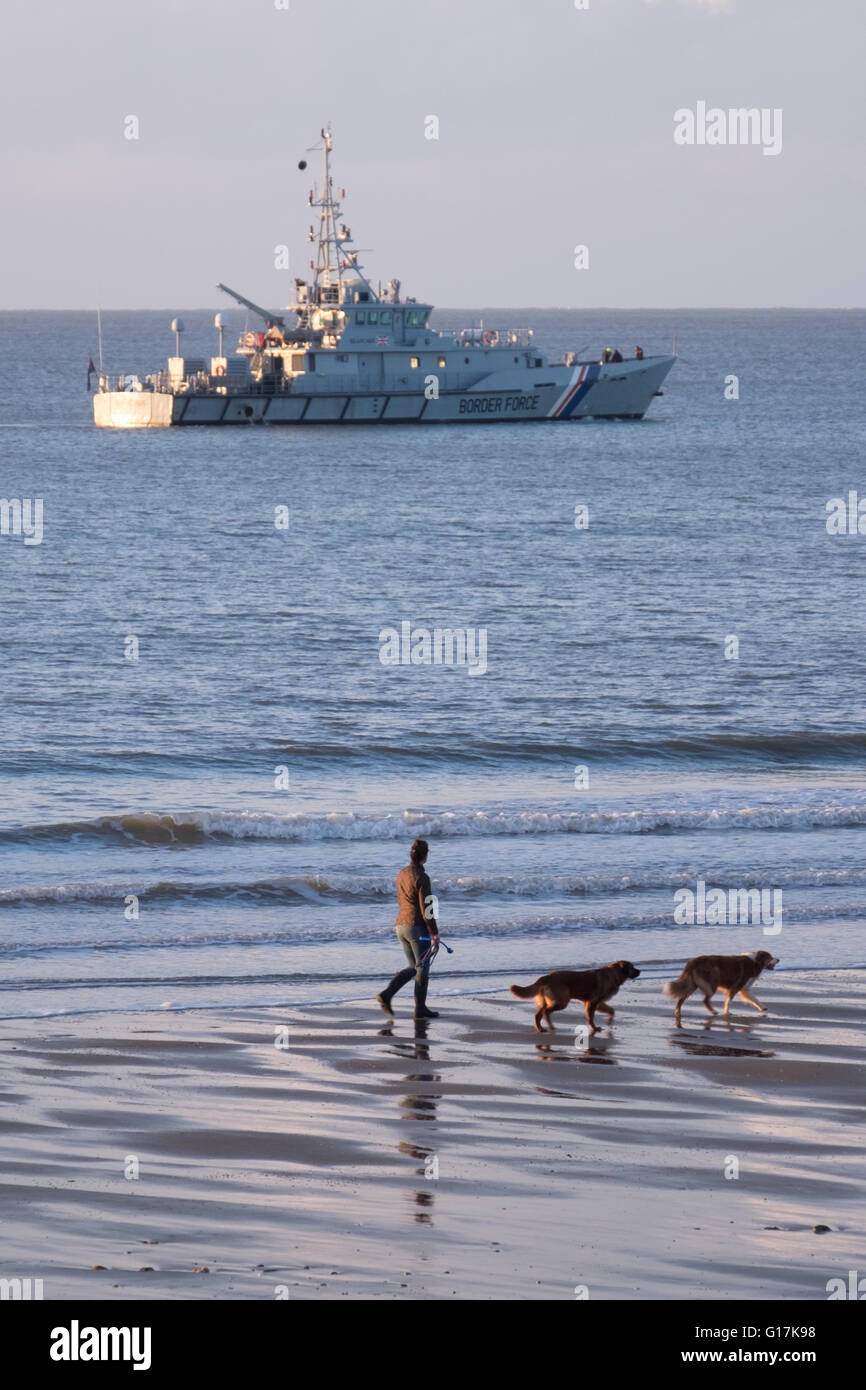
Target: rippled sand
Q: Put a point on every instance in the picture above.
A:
(470, 1159)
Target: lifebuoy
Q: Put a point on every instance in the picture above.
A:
(491, 338)
(219, 371)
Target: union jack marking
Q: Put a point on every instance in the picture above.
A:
(382, 342)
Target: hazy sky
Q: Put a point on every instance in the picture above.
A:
(555, 130)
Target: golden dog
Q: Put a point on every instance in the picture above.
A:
(731, 974)
(593, 987)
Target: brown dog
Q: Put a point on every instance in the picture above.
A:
(593, 987)
(731, 974)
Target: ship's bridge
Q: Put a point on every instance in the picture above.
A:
(380, 323)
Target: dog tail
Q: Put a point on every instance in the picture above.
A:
(676, 988)
(524, 991)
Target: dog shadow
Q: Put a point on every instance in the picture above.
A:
(690, 1042)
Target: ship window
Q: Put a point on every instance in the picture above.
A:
(385, 316)
(440, 362)
(297, 361)
(415, 318)
(466, 360)
(373, 316)
(414, 361)
(361, 316)
(515, 359)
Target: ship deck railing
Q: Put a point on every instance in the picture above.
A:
(491, 337)
(202, 384)
(331, 384)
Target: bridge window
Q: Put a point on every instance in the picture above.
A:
(373, 316)
(385, 316)
(416, 318)
(360, 316)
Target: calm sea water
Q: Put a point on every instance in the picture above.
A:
(259, 650)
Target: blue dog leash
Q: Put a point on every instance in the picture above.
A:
(430, 954)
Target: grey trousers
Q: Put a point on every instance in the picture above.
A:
(415, 949)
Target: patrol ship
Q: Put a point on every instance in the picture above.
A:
(358, 354)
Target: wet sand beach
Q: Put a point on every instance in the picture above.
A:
(468, 1158)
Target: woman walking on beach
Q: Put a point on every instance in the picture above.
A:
(417, 931)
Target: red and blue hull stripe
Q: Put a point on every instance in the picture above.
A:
(577, 391)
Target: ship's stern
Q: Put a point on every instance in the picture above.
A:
(132, 409)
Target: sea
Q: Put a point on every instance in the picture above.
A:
(209, 778)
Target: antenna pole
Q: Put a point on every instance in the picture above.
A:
(332, 258)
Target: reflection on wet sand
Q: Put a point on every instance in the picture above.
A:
(419, 1108)
(715, 1050)
(693, 1045)
(549, 1052)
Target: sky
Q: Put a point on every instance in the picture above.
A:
(555, 131)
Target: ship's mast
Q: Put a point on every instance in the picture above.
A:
(333, 258)
(328, 252)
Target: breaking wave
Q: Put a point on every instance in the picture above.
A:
(197, 827)
(314, 889)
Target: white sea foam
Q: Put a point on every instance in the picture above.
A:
(308, 827)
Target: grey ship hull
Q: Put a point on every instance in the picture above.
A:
(616, 390)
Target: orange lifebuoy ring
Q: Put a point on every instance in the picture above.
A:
(491, 338)
(219, 371)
